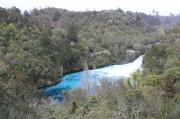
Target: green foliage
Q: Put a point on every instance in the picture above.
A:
(102, 31)
(90, 103)
(127, 83)
(155, 59)
(134, 81)
(27, 49)
(153, 80)
(72, 32)
(18, 98)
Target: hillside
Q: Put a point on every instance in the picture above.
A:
(100, 31)
(49, 42)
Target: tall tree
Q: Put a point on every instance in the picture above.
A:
(72, 32)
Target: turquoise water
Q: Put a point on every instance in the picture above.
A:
(75, 80)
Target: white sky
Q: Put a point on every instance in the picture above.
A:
(163, 6)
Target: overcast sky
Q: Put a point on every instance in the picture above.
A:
(163, 6)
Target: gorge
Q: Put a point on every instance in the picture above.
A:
(76, 80)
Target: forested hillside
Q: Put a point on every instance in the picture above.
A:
(101, 31)
(49, 42)
(41, 45)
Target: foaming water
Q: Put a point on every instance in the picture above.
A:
(74, 80)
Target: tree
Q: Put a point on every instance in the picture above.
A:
(45, 41)
(19, 97)
(35, 12)
(7, 34)
(157, 13)
(72, 32)
(153, 11)
(15, 9)
(56, 15)
(134, 81)
(3, 15)
(26, 13)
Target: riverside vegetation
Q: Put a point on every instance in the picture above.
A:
(39, 46)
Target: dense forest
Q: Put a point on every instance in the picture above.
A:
(37, 47)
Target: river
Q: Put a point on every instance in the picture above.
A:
(75, 80)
